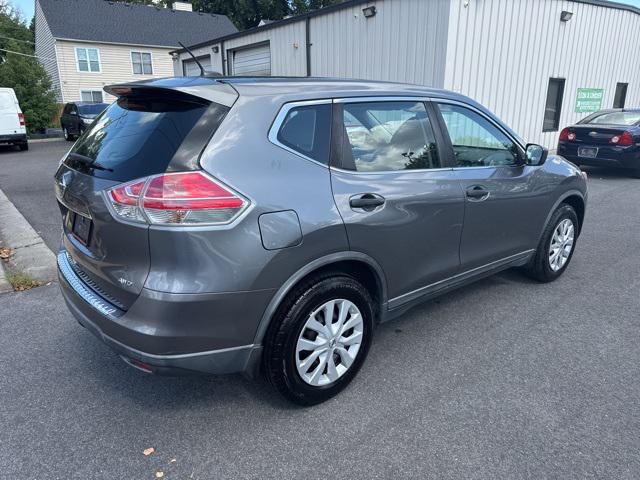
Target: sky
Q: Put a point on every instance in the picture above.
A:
(26, 6)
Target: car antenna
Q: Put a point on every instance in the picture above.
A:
(202, 72)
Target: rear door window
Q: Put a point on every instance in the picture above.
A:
(137, 136)
(388, 136)
(306, 130)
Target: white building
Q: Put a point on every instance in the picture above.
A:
(538, 64)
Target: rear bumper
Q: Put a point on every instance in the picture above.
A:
(608, 156)
(14, 138)
(172, 334)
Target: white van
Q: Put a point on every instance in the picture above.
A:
(12, 129)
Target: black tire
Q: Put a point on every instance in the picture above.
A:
(67, 136)
(24, 147)
(282, 336)
(539, 267)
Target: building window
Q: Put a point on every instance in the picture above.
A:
(88, 59)
(141, 62)
(620, 96)
(94, 96)
(553, 107)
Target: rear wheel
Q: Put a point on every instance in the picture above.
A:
(67, 136)
(24, 146)
(319, 339)
(556, 246)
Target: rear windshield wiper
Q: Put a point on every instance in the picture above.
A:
(88, 161)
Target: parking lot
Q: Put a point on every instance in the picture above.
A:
(506, 378)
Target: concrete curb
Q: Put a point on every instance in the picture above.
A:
(30, 254)
(45, 140)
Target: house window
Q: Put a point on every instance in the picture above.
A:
(88, 59)
(620, 96)
(94, 96)
(553, 107)
(141, 62)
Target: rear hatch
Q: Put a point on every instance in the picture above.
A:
(147, 131)
(9, 110)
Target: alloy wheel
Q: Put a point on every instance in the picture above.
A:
(561, 244)
(329, 342)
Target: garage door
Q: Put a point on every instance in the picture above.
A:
(191, 69)
(252, 61)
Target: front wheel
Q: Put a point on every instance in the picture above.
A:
(556, 247)
(319, 339)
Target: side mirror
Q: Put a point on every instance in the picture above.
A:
(536, 154)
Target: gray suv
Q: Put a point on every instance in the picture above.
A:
(222, 225)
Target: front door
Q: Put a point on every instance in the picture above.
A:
(505, 200)
(399, 205)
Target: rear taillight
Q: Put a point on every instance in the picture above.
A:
(21, 119)
(625, 138)
(182, 198)
(567, 135)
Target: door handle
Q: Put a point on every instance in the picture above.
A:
(366, 201)
(478, 193)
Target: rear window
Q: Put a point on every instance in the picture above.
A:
(617, 118)
(93, 109)
(138, 136)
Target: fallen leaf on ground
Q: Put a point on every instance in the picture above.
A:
(159, 474)
(148, 451)
(5, 253)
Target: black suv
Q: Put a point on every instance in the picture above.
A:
(77, 116)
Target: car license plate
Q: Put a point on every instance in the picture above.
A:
(587, 152)
(81, 228)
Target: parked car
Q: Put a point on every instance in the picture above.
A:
(12, 127)
(77, 116)
(608, 138)
(220, 225)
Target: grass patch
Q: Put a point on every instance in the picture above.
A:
(21, 281)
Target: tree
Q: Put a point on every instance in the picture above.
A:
(303, 6)
(248, 13)
(22, 71)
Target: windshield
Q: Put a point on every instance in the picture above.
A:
(617, 118)
(93, 109)
(136, 136)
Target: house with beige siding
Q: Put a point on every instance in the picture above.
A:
(85, 45)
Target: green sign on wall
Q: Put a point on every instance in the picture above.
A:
(589, 100)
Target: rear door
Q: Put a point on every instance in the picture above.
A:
(398, 200)
(9, 120)
(505, 201)
(137, 136)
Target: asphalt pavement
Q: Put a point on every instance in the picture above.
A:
(505, 378)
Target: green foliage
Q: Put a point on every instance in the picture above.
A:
(24, 73)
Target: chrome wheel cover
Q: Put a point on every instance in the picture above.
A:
(561, 244)
(329, 342)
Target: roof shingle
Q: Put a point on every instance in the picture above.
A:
(118, 22)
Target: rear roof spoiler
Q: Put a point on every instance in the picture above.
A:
(202, 87)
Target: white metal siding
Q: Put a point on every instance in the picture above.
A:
(252, 61)
(287, 45)
(405, 41)
(46, 51)
(503, 52)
